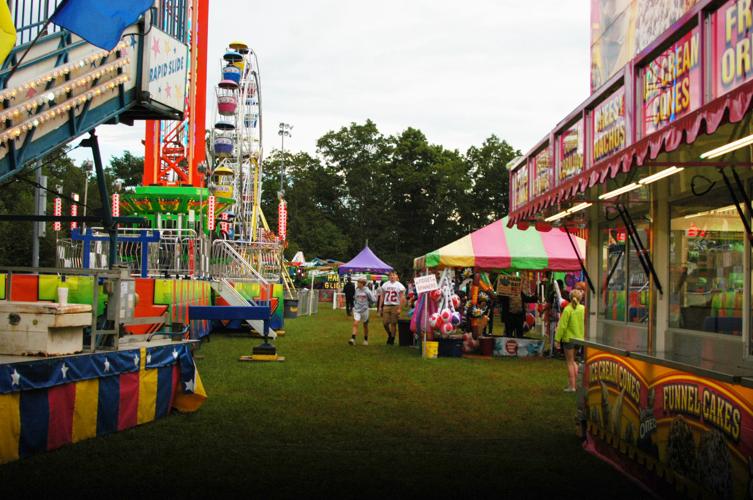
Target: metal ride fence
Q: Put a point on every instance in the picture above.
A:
(176, 253)
(243, 259)
(30, 16)
(172, 252)
(308, 302)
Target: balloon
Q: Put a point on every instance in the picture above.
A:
(455, 301)
(455, 318)
(435, 320)
(447, 328)
(563, 304)
(435, 294)
(446, 315)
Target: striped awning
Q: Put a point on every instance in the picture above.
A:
(497, 246)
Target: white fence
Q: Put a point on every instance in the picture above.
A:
(308, 302)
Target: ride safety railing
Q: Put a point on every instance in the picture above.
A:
(30, 16)
(172, 252)
(146, 252)
(245, 260)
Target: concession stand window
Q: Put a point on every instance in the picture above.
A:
(623, 309)
(664, 195)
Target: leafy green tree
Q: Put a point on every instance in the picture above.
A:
(358, 156)
(313, 197)
(487, 167)
(128, 168)
(429, 185)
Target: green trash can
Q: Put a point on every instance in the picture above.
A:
(291, 308)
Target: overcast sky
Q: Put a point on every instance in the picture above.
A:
(458, 71)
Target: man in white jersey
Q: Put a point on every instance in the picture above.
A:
(391, 300)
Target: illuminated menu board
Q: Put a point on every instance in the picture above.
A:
(571, 151)
(609, 134)
(520, 187)
(672, 83)
(732, 29)
(543, 172)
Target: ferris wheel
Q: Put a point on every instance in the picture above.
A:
(237, 142)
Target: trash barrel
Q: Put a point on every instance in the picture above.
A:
(405, 336)
(487, 345)
(291, 308)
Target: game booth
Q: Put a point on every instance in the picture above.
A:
(656, 164)
(520, 258)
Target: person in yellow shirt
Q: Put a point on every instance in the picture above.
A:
(571, 327)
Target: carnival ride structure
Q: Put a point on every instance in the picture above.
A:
(154, 262)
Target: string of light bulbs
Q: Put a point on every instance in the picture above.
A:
(34, 122)
(60, 71)
(52, 94)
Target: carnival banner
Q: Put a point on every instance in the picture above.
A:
(620, 29)
(520, 186)
(609, 132)
(672, 83)
(543, 172)
(520, 348)
(732, 26)
(571, 151)
(698, 429)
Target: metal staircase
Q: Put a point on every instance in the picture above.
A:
(228, 292)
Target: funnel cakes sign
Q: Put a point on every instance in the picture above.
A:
(700, 430)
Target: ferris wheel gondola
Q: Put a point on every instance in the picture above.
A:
(237, 137)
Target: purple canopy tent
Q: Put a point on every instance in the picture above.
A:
(365, 262)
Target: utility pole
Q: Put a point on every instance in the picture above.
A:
(40, 208)
(87, 166)
(283, 132)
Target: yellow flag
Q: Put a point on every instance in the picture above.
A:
(7, 32)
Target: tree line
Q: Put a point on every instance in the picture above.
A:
(400, 193)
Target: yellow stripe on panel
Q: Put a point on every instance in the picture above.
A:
(85, 410)
(10, 427)
(147, 395)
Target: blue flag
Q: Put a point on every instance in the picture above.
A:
(99, 22)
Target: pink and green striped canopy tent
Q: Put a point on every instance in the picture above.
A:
(497, 246)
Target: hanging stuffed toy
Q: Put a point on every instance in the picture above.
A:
(435, 321)
(447, 318)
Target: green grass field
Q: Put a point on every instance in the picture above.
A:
(337, 420)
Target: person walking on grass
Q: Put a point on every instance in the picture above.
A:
(391, 300)
(362, 299)
(571, 327)
(350, 291)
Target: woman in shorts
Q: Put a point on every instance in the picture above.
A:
(571, 327)
(362, 299)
